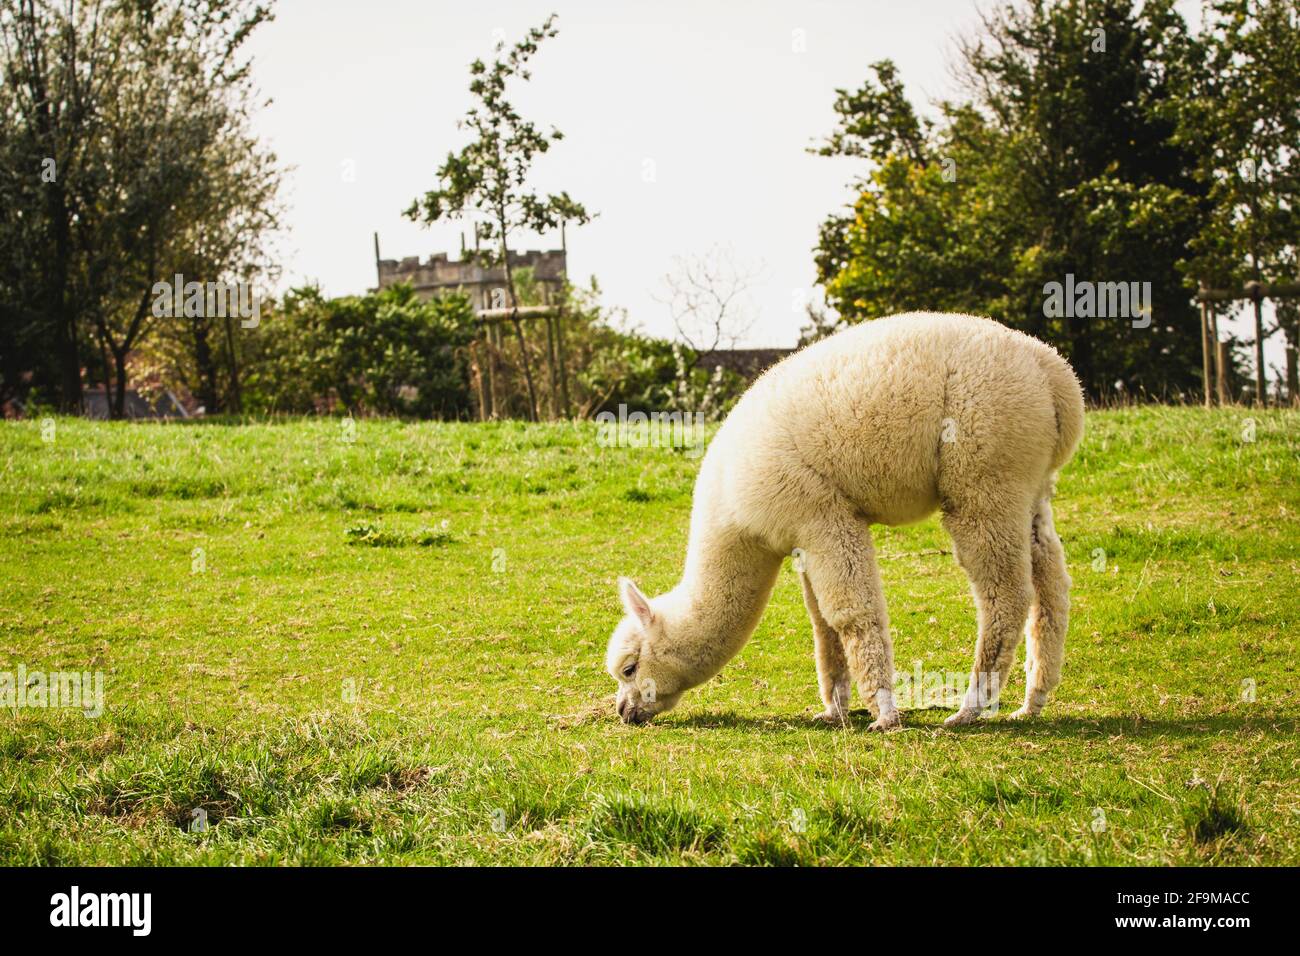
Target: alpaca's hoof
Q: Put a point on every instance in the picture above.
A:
(1024, 713)
(833, 716)
(962, 718)
(890, 721)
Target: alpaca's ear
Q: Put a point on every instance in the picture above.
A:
(635, 603)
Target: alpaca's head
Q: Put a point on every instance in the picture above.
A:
(651, 676)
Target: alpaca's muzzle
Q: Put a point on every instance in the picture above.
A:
(629, 713)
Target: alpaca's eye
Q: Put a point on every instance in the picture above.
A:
(629, 670)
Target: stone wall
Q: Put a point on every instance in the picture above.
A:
(439, 274)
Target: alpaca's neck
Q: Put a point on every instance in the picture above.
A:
(724, 589)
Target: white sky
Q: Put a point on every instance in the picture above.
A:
(713, 96)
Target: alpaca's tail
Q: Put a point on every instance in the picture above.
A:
(1067, 398)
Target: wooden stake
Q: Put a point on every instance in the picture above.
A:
(480, 356)
(494, 339)
(1207, 363)
(1225, 397)
(550, 364)
(1261, 388)
(559, 348)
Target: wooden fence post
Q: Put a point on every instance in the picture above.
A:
(493, 321)
(1225, 397)
(1206, 362)
(494, 339)
(1256, 292)
(559, 348)
(550, 364)
(1261, 388)
(480, 359)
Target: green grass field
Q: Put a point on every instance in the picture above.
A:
(390, 651)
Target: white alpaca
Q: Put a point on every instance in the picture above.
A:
(884, 422)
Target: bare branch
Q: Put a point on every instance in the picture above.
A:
(706, 297)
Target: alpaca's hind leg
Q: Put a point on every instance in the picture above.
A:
(994, 552)
(841, 563)
(832, 667)
(1049, 616)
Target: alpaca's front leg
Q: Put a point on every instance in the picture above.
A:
(841, 563)
(833, 679)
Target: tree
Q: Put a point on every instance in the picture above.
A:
(1059, 160)
(233, 215)
(134, 116)
(488, 179)
(705, 295)
(1240, 116)
(50, 93)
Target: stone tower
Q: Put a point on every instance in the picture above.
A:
(486, 287)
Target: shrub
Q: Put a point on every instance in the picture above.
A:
(384, 353)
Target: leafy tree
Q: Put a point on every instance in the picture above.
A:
(1239, 114)
(47, 107)
(488, 179)
(1061, 159)
(127, 123)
